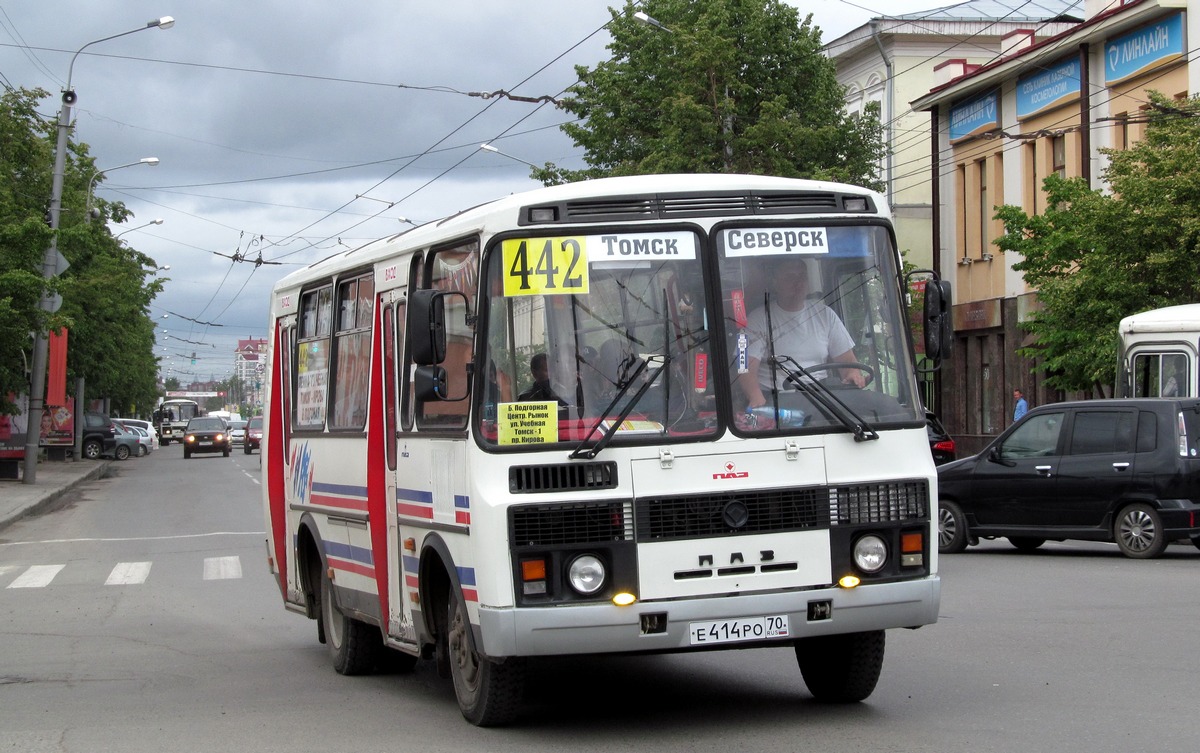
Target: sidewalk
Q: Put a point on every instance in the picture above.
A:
(54, 479)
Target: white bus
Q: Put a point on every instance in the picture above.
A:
(171, 418)
(1158, 352)
(426, 496)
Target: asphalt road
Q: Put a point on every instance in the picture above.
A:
(140, 617)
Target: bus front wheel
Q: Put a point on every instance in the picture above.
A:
(354, 646)
(841, 668)
(489, 693)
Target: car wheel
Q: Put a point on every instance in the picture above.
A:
(841, 668)
(186, 453)
(1139, 532)
(952, 527)
(92, 449)
(225, 452)
(246, 449)
(142, 451)
(121, 452)
(1196, 541)
(1026, 543)
(489, 693)
(354, 646)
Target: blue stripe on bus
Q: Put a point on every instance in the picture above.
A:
(462, 500)
(343, 489)
(414, 495)
(347, 552)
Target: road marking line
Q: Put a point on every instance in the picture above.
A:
(222, 568)
(137, 538)
(128, 574)
(37, 576)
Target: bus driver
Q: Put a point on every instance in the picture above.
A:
(807, 331)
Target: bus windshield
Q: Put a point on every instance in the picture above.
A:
(581, 331)
(798, 299)
(615, 334)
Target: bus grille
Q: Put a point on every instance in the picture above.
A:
(564, 477)
(674, 206)
(772, 511)
(879, 503)
(704, 515)
(563, 525)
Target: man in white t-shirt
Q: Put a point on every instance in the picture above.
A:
(807, 331)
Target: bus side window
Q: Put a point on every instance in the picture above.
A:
(454, 269)
(312, 358)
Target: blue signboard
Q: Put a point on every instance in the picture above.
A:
(975, 116)
(1048, 87)
(1144, 49)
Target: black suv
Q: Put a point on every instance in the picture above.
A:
(205, 434)
(1125, 471)
(99, 435)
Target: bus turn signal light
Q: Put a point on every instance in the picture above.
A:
(533, 576)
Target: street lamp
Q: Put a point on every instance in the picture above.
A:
(139, 227)
(490, 148)
(53, 263)
(152, 161)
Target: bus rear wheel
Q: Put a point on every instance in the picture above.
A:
(489, 693)
(841, 668)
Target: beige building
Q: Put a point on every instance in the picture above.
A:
(1049, 104)
(894, 60)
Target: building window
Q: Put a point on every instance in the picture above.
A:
(1058, 149)
(985, 208)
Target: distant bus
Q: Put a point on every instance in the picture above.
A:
(171, 418)
(526, 430)
(1158, 353)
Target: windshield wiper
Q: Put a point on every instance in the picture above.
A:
(804, 380)
(594, 450)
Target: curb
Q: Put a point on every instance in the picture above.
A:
(54, 495)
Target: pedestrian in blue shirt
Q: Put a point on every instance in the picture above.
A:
(1021, 408)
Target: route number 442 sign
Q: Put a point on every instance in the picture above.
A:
(545, 266)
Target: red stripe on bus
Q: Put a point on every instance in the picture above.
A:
(414, 511)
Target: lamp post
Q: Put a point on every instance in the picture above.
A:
(53, 263)
(490, 148)
(152, 161)
(139, 227)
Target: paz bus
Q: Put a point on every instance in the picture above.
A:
(1158, 352)
(420, 505)
(171, 418)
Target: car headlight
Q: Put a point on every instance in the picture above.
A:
(220, 437)
(870, 553)
(586, 574)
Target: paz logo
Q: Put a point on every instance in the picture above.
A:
(1114, 56)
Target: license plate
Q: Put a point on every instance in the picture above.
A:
(741, 629)
(205, 444)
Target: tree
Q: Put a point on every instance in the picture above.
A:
(1097, 256)
(728, 86)
(106, 290)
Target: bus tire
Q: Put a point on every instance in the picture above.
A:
(841, 668)
(353, 645)
(489, 693)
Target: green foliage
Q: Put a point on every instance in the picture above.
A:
(106, 290)
(1095, 257)
(734, 86)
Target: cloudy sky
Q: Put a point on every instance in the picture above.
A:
(290, 129)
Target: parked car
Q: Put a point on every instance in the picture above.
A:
(146, 425)
(145, 441)
(1125, 471)
(99, 435)
(237, 431)
(940, 443)
(128, 443)
(253, 434)
(206, 434)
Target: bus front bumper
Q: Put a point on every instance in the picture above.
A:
(607, 628)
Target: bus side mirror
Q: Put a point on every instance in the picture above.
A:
(429, 382)
(939, 327)
(427, 325)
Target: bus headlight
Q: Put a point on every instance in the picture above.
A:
(870, 553)
(586, 574)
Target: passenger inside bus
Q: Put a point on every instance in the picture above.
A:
(541, 389)
(807, 331)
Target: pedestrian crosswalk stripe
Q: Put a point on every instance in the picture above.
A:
(221, 568)
(128, 574)
(36, 576)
